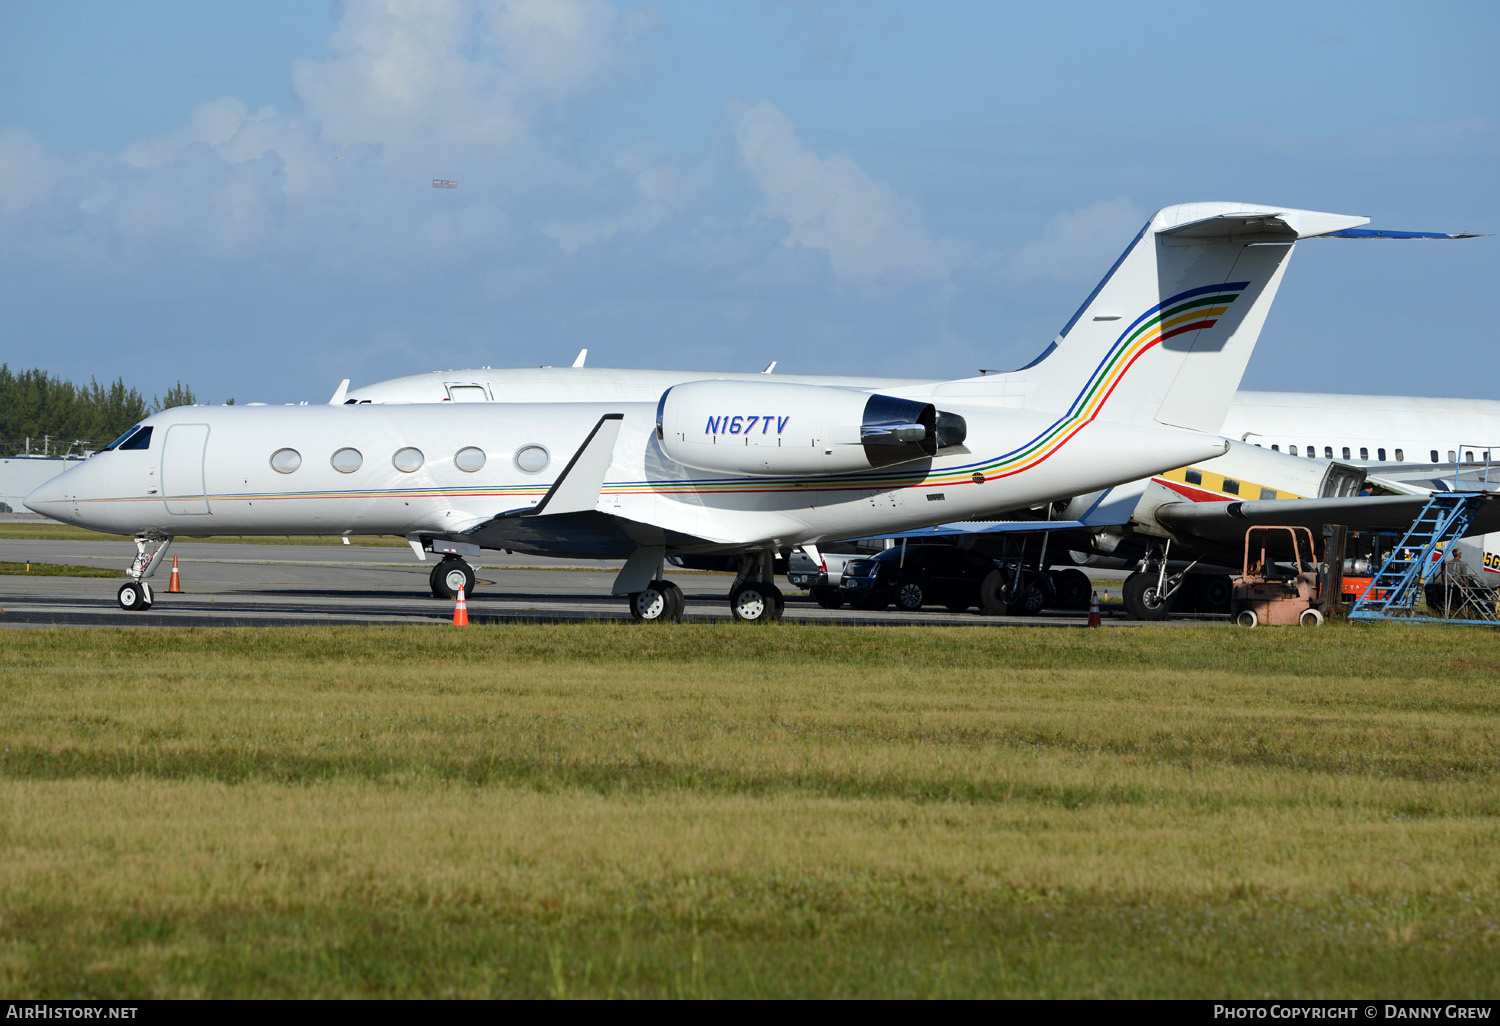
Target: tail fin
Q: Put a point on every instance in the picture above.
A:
(1166, 335)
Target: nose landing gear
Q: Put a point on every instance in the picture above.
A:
(150, 547)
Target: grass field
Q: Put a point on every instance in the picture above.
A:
(701, 810)
(10, 568)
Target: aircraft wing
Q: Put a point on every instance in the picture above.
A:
(1225, 522)
(967, 527)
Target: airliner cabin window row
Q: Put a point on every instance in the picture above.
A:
(1231, 486)
(408, 460)
(1400, 456)
(1193, 477)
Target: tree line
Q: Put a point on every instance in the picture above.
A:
(58, 416)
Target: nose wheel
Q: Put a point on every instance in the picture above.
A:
(135, 596)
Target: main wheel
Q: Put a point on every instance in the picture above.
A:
(659, 602)
(993, 592)
(1141, 599)
(1310, 618)
(753, 602)
(1217, 591)
(679, 600)
(132, 596)
(1073, 589)
(450, 575)
(1031, 600)
(1247, 618)
(827, 596)
(909, 597)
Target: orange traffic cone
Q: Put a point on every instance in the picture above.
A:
(174, 586)
(461, 611)
(1094, 611)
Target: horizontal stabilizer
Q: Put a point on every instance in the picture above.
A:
(1384, 233)
(1265, 226)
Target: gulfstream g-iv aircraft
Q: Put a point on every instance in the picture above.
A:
(1135, 384)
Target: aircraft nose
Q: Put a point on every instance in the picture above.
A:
(50, 499)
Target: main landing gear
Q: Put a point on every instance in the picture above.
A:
(660, 601)
(449, 576)
(754, 597)
(135, 595)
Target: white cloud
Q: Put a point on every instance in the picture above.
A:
(1078, 243)
(869, 232)
(28, 173)
(410, 90)
(658, 188)
(213, 123)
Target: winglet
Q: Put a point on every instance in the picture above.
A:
(583, 354)
(577, 488)
(339, 393)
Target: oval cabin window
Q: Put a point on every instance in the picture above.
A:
(408, 460)
(347, 461)
(469, 459)
(532, 459)
(284, 461)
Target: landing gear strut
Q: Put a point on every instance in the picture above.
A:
(150, 547)
(1150, 591)
(754, 598)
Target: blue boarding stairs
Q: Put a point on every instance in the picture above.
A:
(1393, 591)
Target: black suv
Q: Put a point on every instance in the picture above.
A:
(915, 576)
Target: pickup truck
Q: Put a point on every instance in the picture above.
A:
(821, 579)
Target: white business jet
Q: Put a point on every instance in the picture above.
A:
(1137, 383)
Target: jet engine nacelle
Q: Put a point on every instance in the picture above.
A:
(770, 430)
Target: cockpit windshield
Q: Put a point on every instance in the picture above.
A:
(137, 437)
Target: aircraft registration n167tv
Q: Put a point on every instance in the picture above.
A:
(1137, 383)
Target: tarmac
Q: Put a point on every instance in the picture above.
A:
(266, 585)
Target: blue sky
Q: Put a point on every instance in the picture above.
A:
(239, 195)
